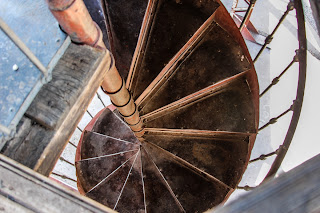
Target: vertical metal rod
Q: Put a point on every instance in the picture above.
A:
(247, 15)
(275, 119)
(99, 97)
(89, 114)
(72, 144)
(21, 45)
(270, 37)
(79, 129)
(277, 79)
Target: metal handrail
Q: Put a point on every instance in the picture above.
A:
(300, 91)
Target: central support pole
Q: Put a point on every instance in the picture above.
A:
(75, 20)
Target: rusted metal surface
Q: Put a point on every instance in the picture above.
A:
(218, 135)
(193, 191)
(157, 191)
(109, 191)
(132, 196)
(223, 159)
(199, 69)
(124, 23)
(179, 20)
(215, 88)
(91, 171)
(118, 129)
(229, 109)
(173, 63)
(300, 91)
(95, 145)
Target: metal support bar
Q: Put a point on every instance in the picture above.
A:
(99, 97)
(265, 156)
(247, 15)
(277, 79)
(65, 160)
(275, 119)
(246, 187)
(270, 37)
(63, 176)
(9, 32)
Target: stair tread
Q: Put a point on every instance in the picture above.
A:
(109, 190)
(124, 30)
(180, 20)
(119, 129)
(194, 191)
(92, 171)
(229, 109)
(214, 58)
(222, 158)
(95, 145)
(132, 197)
(158, 197)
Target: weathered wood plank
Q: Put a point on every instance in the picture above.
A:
(295, 191)
(23, 190)
(58, 108)
(56, 98)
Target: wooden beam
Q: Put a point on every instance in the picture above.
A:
(295, 191)
(23, 190)
(55, 112)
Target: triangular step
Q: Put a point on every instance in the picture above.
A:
(229, 108)
(174, 23)
(95, 145)
(119, 129)
(219, 156)
(157, 194)
(215, 57)
(124, 23)
(194, 192)
(132, 197)
(92, 171)
(109, 190)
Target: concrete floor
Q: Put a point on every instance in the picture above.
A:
(278, 55)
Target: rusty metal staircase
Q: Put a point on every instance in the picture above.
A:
(194, 84)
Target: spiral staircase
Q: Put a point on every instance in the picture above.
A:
(195, 87)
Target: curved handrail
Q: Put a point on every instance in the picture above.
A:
(300, 91)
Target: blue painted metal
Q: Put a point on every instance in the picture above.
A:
(37, 28)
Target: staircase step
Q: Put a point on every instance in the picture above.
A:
(159, 197)
(132, 197)
(215, 57)
(119, 129)
(173, 24)
(124, 30)
(194, 192)
(229, 108)
(109, 190)
(222, 156)
(92, 171)
(95, 145)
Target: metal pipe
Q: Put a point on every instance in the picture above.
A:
(75, 20)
